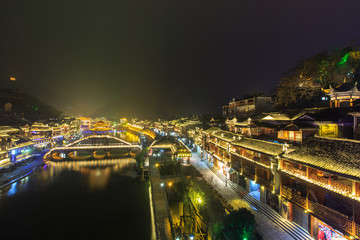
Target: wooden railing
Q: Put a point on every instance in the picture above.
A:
(319, 179)
(289, 194)
(332, 215)
(357, 230)
(341, 186)
(294, 170)
(336, 185)
(264, 182)
(249, 175)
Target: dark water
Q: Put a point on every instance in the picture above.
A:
(83, 200)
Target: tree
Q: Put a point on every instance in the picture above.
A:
(140, 157)
(238, 225)
(304, 81)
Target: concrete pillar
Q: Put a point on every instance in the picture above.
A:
(255, 174)
(290, 209)
(247, 185)
(353, 185)
(355, 127)
(263, 194)
(277, 176)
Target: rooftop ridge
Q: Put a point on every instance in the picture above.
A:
(264, 141)
(338, 139)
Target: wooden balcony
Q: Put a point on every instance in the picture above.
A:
(357, 230)
(340, 220)
(263, 182)
(331, 183)
(294, 171)
(289, 194)
(326, 183)
(249, 175)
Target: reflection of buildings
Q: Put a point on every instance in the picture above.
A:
(128, 136)
(142, 130)
(98, 172)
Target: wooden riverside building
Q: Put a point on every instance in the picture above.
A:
(315, 184)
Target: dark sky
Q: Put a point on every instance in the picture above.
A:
(142, 57)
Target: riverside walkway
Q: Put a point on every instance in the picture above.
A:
(269, 224)
(161, 208)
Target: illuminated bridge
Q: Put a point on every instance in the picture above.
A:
(94, 147)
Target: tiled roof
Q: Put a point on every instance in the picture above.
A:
(171, 143)
(211, 130)
(276, 117)
(333, 155)
(225, 135)
(260, 146)
(6, 129)
(25, 144)
(163, 143)
(266, 147)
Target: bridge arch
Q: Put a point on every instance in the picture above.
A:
(94, 147)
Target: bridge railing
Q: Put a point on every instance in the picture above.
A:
(100, 144)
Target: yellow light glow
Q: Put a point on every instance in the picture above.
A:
(12, 79)
(170, 184)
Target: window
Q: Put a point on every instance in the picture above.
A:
(291, 135)
(286, 134)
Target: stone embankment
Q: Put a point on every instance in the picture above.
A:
(21, 170)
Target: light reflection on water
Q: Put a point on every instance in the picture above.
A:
(97, 199)
(97, 173)
(12, 190)
(128, 136)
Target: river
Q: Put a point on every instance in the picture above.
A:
(77, 200)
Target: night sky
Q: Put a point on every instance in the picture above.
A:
(147, 58)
